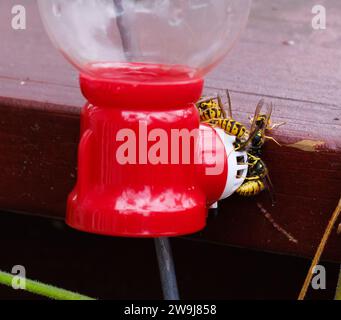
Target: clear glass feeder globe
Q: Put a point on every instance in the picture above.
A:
(130, 39)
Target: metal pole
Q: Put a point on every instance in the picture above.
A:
(129, 43)
(167, 270)
(162, 245)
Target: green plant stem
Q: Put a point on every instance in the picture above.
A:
(42, 289)
(338, 288)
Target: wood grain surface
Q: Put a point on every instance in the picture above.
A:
(280, 57)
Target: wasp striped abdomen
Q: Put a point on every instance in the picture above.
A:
(211, 114)
(251, 188)
(232, 127)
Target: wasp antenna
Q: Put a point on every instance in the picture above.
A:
(229, 101)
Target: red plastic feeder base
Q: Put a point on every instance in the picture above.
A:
(121, 189)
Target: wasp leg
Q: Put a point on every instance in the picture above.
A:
(273, 139)
(210, 122)
(252, 178)
(276, 126)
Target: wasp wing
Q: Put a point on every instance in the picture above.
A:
(221, 106)
(229, 102)
(255, 127)
(267, 118)
(257, 113)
